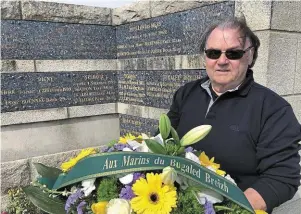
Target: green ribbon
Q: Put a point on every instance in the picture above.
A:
(115, 163)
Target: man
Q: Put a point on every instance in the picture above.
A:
(255, 133)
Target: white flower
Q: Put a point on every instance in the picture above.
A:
(138, 147)
(168, 175)
(210, 195)
(158, 138)
(118, 206)
(228, 177)
(193, 157)
(88, 186)
(127, 179)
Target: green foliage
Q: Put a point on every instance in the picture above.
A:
(164, 126)
(18, 202)
(45, 202)
(188, 204)
(232, 208)
(107, 189)
(155, 147)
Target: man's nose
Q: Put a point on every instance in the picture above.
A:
(223, 59)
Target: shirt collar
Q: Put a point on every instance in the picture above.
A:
(242, 89)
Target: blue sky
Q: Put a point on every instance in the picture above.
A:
(98, 3)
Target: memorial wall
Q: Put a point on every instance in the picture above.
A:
(76, 76)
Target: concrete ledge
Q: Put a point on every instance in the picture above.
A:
(257, 13)
(92, 110)
(32, 116)
(58, 12)
(11, 66)
(130, 13)
(159, 8)
(176, 62)
(286, 15)
(140, 111)
(10, 10)
(25, 141)
(13, 174)
(75, 65)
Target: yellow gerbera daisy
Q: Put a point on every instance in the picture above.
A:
(72, 161)
(129, 137)
(204, 159)
(152, 196)
(99, 208)
(260, 212)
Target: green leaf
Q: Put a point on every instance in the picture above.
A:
(43, 201)
(47, 172)
(112, 143)
(164, 126)
(181, 150)
(175, 136)
(155, 147)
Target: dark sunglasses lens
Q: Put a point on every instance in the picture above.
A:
(234, 54)
(213, 54)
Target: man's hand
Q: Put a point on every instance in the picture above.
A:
(255, 199)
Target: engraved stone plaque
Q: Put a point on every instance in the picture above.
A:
(153, 88)
(50, 40)
(28, 91)
(172, 34)
(137, 125)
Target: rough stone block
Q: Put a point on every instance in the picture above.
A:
(53, 160)
(282, 62)
(36, 139)
(161, 63)
(92, 110)
(33, 116)
(286, 15)
(10, 10)
(159, 8)
(10, 66)
(297, 86)
(133, 110)
(257, 13)
(127, 64)
(154, 113)
(130, 13)
(14, 174)
(58, 12)
(4, 202)
(261, 66)
(291, 207)
(193, 62)
(75, 65)
(295, 101)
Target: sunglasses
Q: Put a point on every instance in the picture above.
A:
(230, 54)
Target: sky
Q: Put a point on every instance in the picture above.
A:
(97, 3)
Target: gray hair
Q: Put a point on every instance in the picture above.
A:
(234, 23)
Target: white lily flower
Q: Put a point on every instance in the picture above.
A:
(88, 186)
(193, 157)
(127, 179)
(126, 149)
(182, 181)
(139, 147)
(228, 177)
(158, 138)
(210, 195)
(169, 175)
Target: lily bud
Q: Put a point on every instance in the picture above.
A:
(164, 126)
(169, 175)
(195, 135)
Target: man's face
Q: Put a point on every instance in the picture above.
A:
(224, 73)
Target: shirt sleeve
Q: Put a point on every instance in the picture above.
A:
(278, 157)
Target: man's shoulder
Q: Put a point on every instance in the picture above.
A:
(268, 96)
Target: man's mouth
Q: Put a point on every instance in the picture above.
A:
(222, 70)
